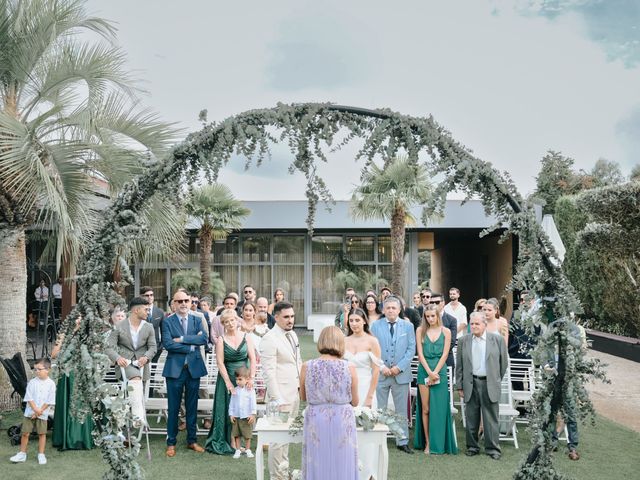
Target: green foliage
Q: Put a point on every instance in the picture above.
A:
(191, 281)
(308, 129)
(388, 193)
(556, 178)
(606, 172)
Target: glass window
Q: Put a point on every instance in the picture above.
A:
(288, 249)
(256, 248)
(360, 249)
(226, 251)
(324, 248)
(384, 249)
(259, 276)
(290, 278)
(326, 298)
(229, 275)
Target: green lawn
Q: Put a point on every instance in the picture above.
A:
(609, 451)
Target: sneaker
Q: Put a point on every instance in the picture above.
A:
(237, 454)
(42, 460)
(249, 454)
(19, 457)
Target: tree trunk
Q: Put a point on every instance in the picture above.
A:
(397, 249)
(205, 260)
(13, 294)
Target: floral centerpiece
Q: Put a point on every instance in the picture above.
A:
(366, 417)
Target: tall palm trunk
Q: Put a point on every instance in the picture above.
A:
(397, 249)
(13, 278)
(206, 236)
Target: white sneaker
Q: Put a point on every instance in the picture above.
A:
(249, 454)
(19, 457)
(235, 455)
(42, 460)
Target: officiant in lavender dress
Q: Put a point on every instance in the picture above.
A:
(330, 387)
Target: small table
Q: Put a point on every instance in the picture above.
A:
(279, 433)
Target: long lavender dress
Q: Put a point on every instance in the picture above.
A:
(330, 447)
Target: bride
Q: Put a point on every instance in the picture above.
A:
(362, 350)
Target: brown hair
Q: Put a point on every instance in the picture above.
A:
(242, 372)
(331, 341)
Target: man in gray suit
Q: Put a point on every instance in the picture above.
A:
(482, 361)
(132, 345)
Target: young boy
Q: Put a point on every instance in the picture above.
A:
(242, 412)
(40, 395)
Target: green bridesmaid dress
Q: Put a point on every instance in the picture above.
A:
(68, 432)
(441, 437)
(219, 439)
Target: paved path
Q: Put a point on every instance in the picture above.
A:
(620, 400)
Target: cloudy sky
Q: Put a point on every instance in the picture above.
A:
(509, 79)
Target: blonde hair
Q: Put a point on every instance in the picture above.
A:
(424, 325)
(331, 341)
(226, 314)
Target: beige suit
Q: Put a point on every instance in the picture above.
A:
(281, 364)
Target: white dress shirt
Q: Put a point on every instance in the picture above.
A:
(243, 403)
(479, 355)
(135, 333)
(40, 392)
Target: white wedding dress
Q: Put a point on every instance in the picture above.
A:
(364, 362)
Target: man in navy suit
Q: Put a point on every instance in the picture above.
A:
(182, 336)
(398, 346)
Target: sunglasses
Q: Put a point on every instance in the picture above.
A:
(196, 302)
(435, 302)
(183, 300)
(425, 296)
(247, 291)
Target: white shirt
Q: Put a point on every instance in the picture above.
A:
(460, 313)
(57, 291)
(135, 333)
(479, 355)
(42, 294)
(242, 403)
(40, 392)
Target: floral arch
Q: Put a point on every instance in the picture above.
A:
(309, 130)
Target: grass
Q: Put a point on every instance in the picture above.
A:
(608, 451)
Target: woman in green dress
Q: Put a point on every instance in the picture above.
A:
(68, 432)
(234, 349)
(434, 430)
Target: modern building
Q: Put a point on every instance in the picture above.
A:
(274, 250)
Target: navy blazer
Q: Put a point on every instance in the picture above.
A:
(181, 353)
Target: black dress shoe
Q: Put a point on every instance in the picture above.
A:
(405, 449)
(494, 455)
(471, 453)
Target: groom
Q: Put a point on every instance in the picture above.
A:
(281, 364)
(398, 345)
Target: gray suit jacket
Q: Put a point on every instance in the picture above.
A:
(497, 361)
(120, 344)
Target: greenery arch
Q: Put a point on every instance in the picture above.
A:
(309, 129)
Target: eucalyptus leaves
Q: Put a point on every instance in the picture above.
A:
(311, 131)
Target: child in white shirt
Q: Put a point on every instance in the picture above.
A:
(242, 413)
(40, 396)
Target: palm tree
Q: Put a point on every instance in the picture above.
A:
(220, 213)
(388, 194)
(69, 116)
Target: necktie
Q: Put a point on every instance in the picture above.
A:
(184, 325)
(391, 325)
(292, 343)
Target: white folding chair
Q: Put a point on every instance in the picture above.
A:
(454, 410)
(523, 374)
(155, 397)
(507, 414)
(413, 391)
